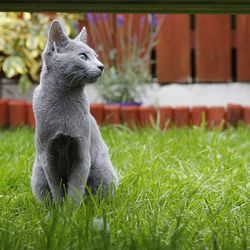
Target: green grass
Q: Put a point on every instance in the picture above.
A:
(180, 189)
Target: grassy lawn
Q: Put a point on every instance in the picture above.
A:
(180, 189)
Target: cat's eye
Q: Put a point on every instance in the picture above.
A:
(84, 56)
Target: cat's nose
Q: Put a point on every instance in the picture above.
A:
(101, 67)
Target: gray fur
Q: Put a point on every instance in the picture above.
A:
(70, 151)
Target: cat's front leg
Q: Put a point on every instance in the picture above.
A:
(54, 179)
(39, 183)
(102, 173)
(78, 178)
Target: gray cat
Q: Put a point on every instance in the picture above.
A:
(70, 152)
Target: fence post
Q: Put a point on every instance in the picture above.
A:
(213, 48)
(173, 50)
(243, 48)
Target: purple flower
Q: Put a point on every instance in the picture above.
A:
(90, 18)
(153, 21)
(76, 25)
(120, 20)
(142, 20)
(105, 17)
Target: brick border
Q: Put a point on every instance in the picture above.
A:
(15, 113)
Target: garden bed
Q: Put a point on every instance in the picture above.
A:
(180, 189)
(15, 113)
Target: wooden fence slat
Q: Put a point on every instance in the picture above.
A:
(173, 50)
(243, 47)
(213, 48)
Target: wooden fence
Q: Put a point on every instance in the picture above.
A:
(201, 48)
(204, 48)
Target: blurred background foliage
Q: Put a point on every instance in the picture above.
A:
(22, 40)
(125, 51)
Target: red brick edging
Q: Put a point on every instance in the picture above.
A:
(15, 113)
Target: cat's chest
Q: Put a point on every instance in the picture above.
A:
(66, 116)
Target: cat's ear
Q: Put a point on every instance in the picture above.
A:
(56, 35)
(82, 36)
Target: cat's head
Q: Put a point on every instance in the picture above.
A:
(72, 60)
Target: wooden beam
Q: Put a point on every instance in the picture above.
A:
(213, 48)
(131, 6)
(173, 49)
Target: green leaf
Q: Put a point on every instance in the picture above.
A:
(32, 42)
(8, 68)
(19, 64)
(14, 65)
(24, 83)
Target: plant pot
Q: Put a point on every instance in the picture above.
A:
(30, 115)
(166, 117)
(216, 117)
(234, 114)
(147, 116)
(17, 113)
(97, 110)
(112, 114)
(4, 116)
(130, 115)
(198, 114)
(137, 104)
(181, 117)
(246, 115)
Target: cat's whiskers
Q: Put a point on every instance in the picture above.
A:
(73, 77)
(69, 76)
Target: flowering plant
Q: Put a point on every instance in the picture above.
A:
(125, 44)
